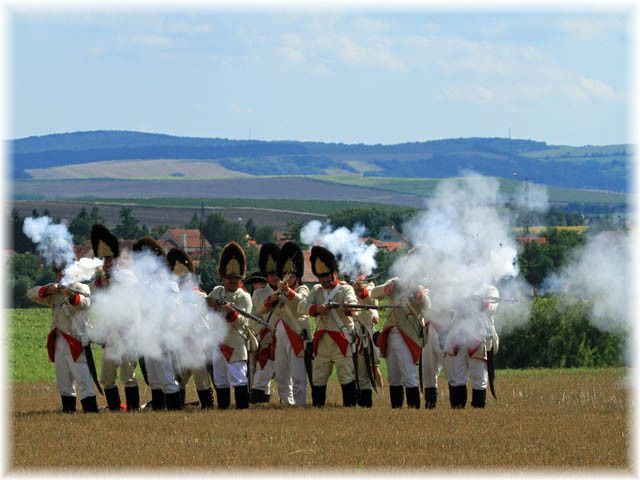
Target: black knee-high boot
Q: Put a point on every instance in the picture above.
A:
(89, 404)
(224, 397)
(478, 398)
(132, 396)
(113, 398)
(68, 403)
(206, 398)
(413, 397)
(318, 395)
(242, 396)
(349, 394)
(157, 399)
(458, 396)
(182, 395)
(430, 397)
(365, 399)
(396, 392)
(172, 400)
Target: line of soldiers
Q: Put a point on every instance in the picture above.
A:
(268, 335)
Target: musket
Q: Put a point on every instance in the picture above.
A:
(308, 361)
(361, 306)
(490, 299)
(223, 301)
(88, 354)
(354, 356)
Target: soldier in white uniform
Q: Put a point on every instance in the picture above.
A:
(292, 328)
(105, 246)
(230, 358)
(161, 371)
(264, 300)
(334, 334)
(400, 341)
(471, 335)
(67, 339)
(183, 270)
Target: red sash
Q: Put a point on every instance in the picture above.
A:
(75, 345)
(227, 351)
(297, 344)
(414, 348)
(337, 337)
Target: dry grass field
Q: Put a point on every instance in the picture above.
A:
(546, 420)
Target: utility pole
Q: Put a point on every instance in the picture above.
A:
(201, 231)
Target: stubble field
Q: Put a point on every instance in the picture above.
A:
(545, 420)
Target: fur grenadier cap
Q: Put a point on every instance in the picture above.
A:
(322, 261)
(232, 261)
(179, 262)
(290, 259)
(268, 259)
(103, 242)
(148, 244)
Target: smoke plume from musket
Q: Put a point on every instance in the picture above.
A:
(598, 272)
(354, 256)
(53, 241)
(144, 312)
(81, 270)
(463, 241)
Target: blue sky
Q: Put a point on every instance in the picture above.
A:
(345, 76)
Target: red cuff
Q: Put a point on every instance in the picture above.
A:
(75, 300)
(388, 289)
(291, 294)
(42, 292)
(312, 310)
(364, 293)
(231, 316)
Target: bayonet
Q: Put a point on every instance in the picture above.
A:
(361, 306)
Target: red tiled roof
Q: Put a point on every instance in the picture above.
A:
(176, 237)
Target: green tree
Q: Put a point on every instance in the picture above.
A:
(127, 227)
(194, 223)
(251, 228)
(27, 271)
(21, 243)
(159, 230)
(217, 230)
(265, 234)
(81, 225)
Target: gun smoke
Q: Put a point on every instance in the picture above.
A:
(463, 242)
(598, 272)
(53, 241)
(354, 256)
(146, 312)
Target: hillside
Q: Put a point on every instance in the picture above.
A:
(135, 155)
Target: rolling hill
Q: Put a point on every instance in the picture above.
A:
(144, 156)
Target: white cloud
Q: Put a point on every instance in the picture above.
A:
(592, 28)
(468, 93)
(586, 89)
(239, 109)
(147, 41)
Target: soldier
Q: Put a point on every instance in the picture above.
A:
(292, 328)
(67, 339)
(105, 246)
(369, 354)
(264, 300)
(160, 366)
(230, 359)
(334, 331)
(469, 347)
(193, 362)
(400, 341)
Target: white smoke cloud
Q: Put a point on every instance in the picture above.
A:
(531, 196)
(144, 312)
(53, 241)
(598, 271)
(354, 256)
(464, 241)
(81, 270)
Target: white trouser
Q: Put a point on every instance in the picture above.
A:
(461, 368)
(160, 374)
(262, 377)
(401, 369)
(290, 371)
(227, 374)
(109, 373)
(329, 354)
(432, 359)
(72, 374)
